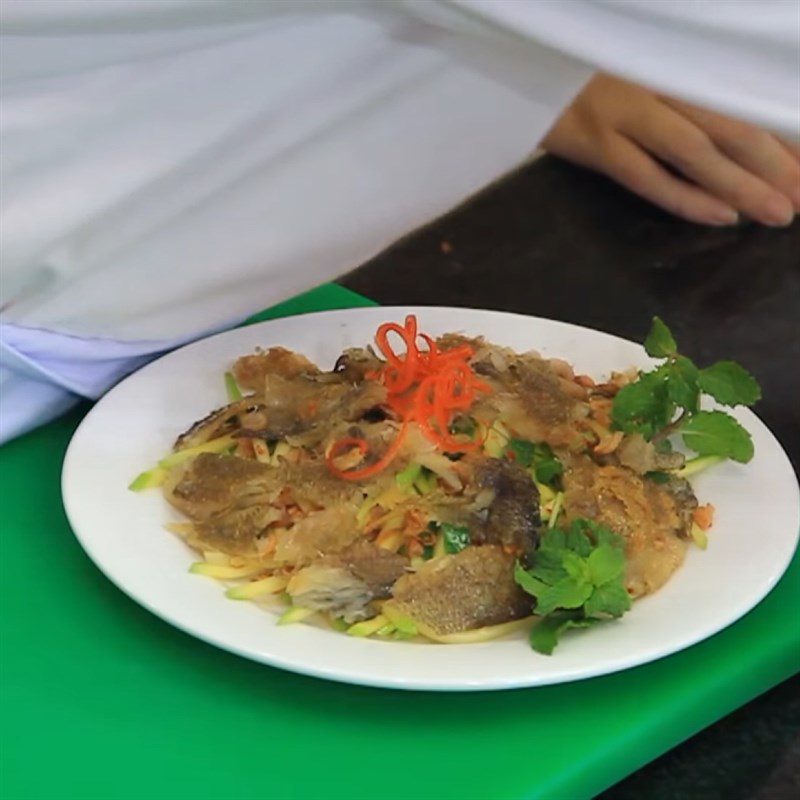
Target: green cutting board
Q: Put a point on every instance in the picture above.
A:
(103, 700)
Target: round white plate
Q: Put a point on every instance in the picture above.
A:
(752, 541)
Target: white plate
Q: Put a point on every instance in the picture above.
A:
(752, 541)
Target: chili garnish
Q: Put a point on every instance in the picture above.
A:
(427, 386)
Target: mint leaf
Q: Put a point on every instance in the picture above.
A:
(682, 384)
(606, 563)
(554, 539)
(548, 567)
(576, 567)
(578, 541)
(576, 579)
(567, 593)
(647, 405)
(545, 634)
(521, 452)
(527, 582)
(644, 406)
(730, 384)
(456, 537)
(659, 342)
(599, 533)
(716, 433)
(539, 458)
(547, 468)
(611, 599)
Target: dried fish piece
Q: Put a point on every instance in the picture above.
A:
(461, 592)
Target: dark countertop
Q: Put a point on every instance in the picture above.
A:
(557, 241)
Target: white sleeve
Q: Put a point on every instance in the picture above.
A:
(170, 168)
(740, 57)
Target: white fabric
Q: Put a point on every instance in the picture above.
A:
(171, 166)
(741, 58)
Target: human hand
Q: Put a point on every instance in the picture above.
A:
(718, 167)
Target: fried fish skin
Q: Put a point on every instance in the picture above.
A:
(346, 583)
(512, 519)
(464, 591)
(232, 500)
(649, 517)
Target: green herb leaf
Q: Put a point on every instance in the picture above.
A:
(599, 533)
(576, 579)
(577, 540)
(719, 434)
(539, 457)
(548, 566)
(682, 384)
(611, 599)
(648, 404)
(531, 585)
(521, 452)
(644, 406)
(660, 342)
(545, 634)
(730, 384)
(567, 593)
(547, 468)
(456, 537)
(576, 567)
(606, 563)
(554, 539)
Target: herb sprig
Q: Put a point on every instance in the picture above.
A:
(539, 458)
(577, 580)
(667, 400)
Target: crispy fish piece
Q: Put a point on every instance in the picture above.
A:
(222, 421)
(538, 398)
(346, 583)
(209, 484)
(461, 592)
(305, 408)
(531, 394)
(321, 532)
(499, 504)
(250, 371)
(237, 531)
(291, 397)
(355, 363)
(233, 500)
(648, 516)
(511, 519)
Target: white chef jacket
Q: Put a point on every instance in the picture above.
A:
(171, 166)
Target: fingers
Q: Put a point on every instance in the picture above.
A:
(755, 150)
(625, 162)
(680, 142)
(792, 147)
(624, 131)
(635, 169)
